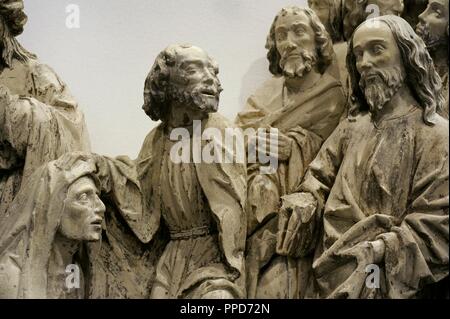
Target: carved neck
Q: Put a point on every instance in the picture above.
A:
(64, 249)
(182, 115)
(299, 84)
(400, 104)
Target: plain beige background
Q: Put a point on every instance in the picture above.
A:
(106, 60)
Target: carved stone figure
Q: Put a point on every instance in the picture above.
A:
(376, 195)
(39, 118)
(201, 204)
(125, 263)
(330, 14)
(433, 29)
(355, 12)
(49, 227)
(304, 102)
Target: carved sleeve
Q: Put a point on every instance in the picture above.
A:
(417, 250)
(322, 171)
(49, 89)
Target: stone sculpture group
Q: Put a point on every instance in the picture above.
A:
(356, 116)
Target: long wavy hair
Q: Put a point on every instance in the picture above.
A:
(325, 52)
(422, 78)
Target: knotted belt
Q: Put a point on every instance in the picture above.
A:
(190, 233)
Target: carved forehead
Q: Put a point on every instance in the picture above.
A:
(443, 3)
(291, 16)
(186, 55)
(370, 31)
(82, 184)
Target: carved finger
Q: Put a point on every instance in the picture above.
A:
(283, 219)
(294, 222)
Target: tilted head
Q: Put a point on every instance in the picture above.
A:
(83, 211)
(356, 11)
(12, 21)
(297, 42)
(330, 14)
(433, 24)
(384, 54)
(184, 74)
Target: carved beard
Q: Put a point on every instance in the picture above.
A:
(380, 86)
(299, 65)
(431, 41)
(197, 98)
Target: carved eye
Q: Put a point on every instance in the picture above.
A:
(299, 30)
(438, 13)
(377, 49)
(83, 197)
(191, 71)
(358, 54)
(281, 35)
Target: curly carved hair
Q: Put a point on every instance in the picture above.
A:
(158, 91)
(325, 52)
(12, 12)
(423, 79)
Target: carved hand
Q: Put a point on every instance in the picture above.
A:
(296, 225)
(284, 149)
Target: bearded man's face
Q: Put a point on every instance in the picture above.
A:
(296, 44)
(194, 80)
(379, 62)
(433, 24)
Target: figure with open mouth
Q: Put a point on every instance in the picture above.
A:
(54, 223)
(201, 204)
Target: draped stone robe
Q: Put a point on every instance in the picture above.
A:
(202, 205)
(387, 181)
(39, 121)
(308, 118)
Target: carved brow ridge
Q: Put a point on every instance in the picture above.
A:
(371, 42)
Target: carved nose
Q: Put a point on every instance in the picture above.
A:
(209, 80)
(421, 17)
(99, 207)
(291, 45)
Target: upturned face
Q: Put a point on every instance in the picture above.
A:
(433, 23)
(83, 212)
(195, 74)
(386, 7)
(379, 62)
(296, 44)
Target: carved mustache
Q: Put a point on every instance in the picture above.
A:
(391, 77)
(301, 53)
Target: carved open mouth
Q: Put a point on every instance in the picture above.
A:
(97, 222)
(208, 92)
